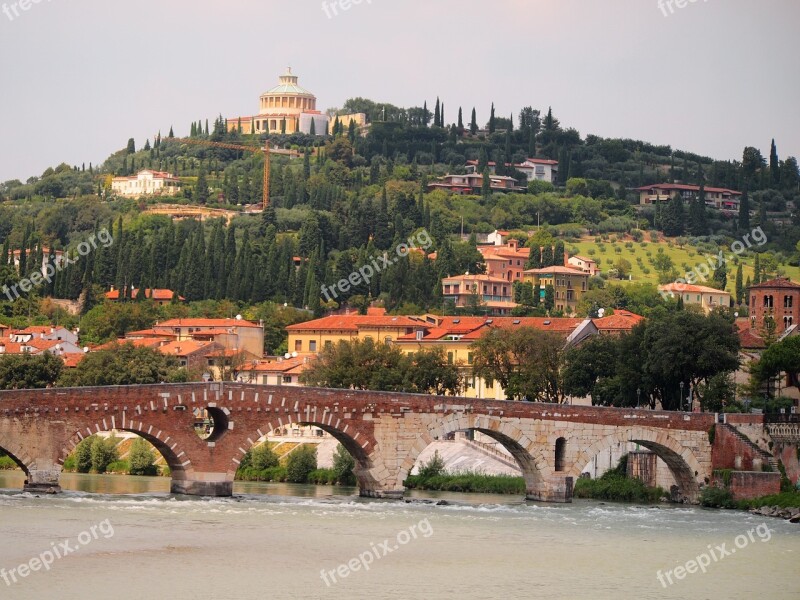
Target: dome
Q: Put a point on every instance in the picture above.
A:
(288, 85)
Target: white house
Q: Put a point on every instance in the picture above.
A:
(146, 183)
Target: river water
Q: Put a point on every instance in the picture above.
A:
(121, 537)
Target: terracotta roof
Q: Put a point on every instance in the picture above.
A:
(206, 323)
(71, 360)
(154, 294)
(780, 282)
(685, 187)
(472, 328)
(186, 347)
(354, 322)
(678, 288)
(621, 320)
(558, 271)
(480, 277)
(137, 342)
(276, 366)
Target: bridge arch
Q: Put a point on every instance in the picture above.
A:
(17, 454)
(527, 455)
(359, 446)
(682, 462)
(178, 461)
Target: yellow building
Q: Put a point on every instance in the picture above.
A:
(286, 108)
(568, 283)
(314, 336)
(706, 298)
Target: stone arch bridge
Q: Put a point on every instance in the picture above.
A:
(385, 432)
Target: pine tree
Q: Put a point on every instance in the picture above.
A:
(473, 124)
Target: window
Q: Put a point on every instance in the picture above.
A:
(312, 346)
(787, 301)
(298, 345)
(561, 448)
(287, 379)
(469, 359)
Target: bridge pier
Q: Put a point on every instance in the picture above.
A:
(551, 489)
(42, 481)
(216, 485)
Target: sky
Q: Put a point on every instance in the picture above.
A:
(80, 77)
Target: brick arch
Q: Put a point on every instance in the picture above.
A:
(360, 446)
(17, 453)
(682, 462)
(528, 456)
(177, 460)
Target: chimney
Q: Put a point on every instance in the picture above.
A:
(566, 258)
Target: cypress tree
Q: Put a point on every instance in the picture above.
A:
(757, 269)
(744, 211)
(473, 124)
(491, 120)
(739, 285)
(436, 115)
(460, 122)
(313, 129)
(774, 165)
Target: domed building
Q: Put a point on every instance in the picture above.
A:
(286, 108)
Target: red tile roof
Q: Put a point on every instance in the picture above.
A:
(780, 282)
(354, 323)
(687, 188)
(558, 271)
(154, 294)
(217, 323)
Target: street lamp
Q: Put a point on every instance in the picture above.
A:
(681, 398)
(638, 395)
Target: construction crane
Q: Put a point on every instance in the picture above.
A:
(255, 149)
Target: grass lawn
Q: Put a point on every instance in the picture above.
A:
(684, 258)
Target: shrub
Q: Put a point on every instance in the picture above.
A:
(432, 468)
(714, 497)
(7, 463)
(262, 458)
(300, 464)
(477, 483)
(121, 467)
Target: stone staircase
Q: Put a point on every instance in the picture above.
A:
(766, 457)
(491, 451)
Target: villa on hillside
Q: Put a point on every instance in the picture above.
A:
(472, 183)
(720, 198)
(534, 169)
(569, 284)
(707, 298)
(146, 183)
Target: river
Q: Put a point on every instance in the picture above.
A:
(122, 537)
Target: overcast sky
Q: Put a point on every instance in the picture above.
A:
(79, 77)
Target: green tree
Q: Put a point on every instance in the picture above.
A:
(343, 465)
(122, 364)
(83, 455)
(739, 286)
(263, 457)
(24, 371)
(201, 192)
(104, 452)
(549, 297)
(300, 463)
(473, 124)
(744, 211)
(720, 278)
(430, 372)
(526, 362)
(141, 458)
